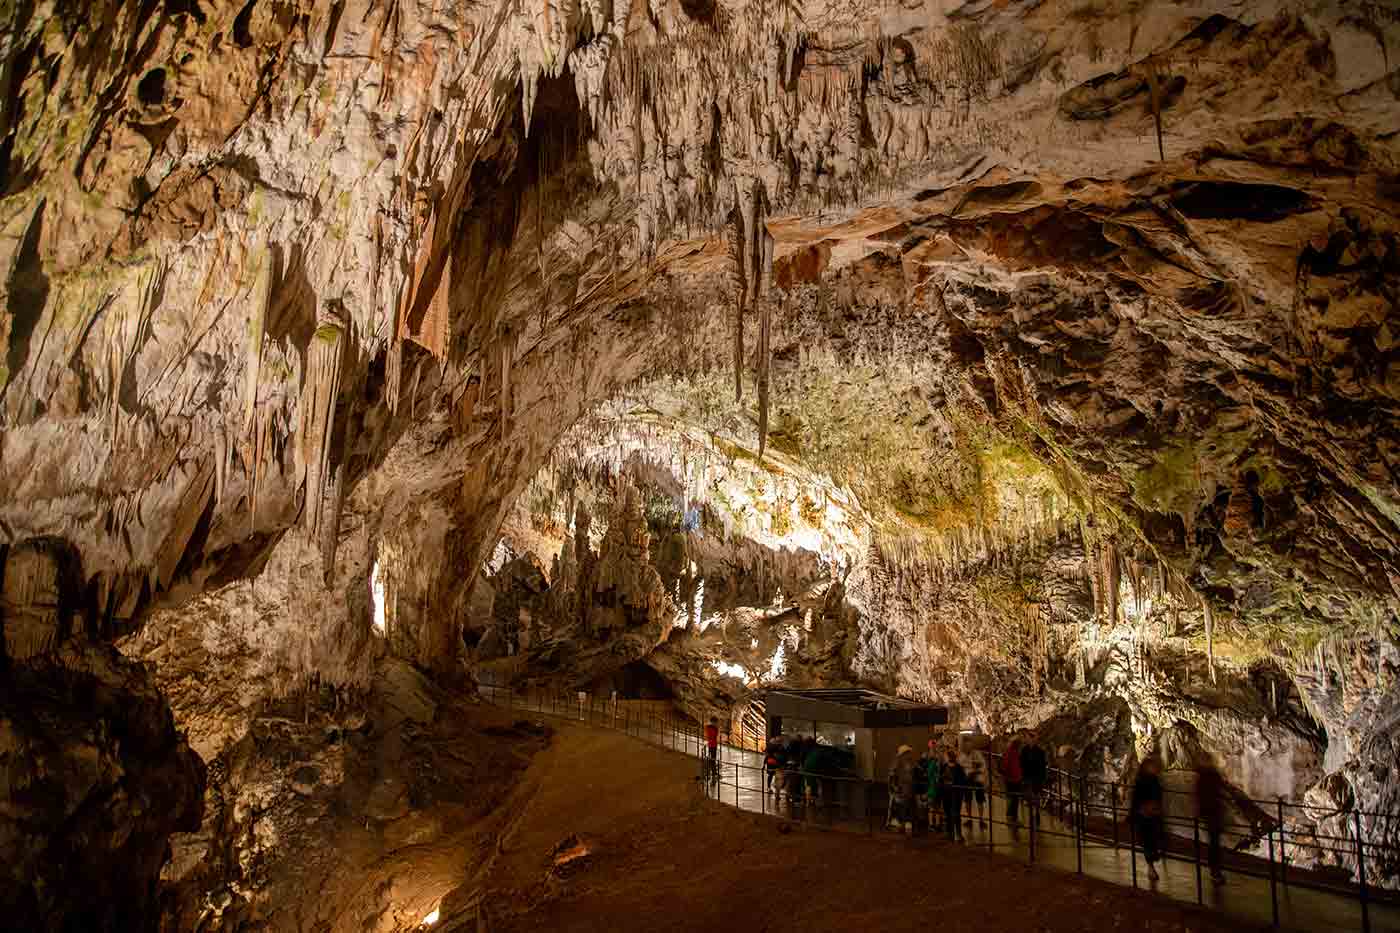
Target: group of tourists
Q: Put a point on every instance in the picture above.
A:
(797, 765)
(939, 790)
(942, 785)
(931, 791)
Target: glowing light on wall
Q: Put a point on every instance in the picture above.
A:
(376, 588)
(778, 665)
(431, 919)
(730, 670)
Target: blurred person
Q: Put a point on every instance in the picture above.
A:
(953, 786)
(1034, 770)
(1210, 807)
(901, 786)
(976, 773)
(933, 768)
(1012, 776)
(1146, 812)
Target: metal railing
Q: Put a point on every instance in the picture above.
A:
(1065, 810)
(1105, 807)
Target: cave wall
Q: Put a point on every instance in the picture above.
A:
(292, 290)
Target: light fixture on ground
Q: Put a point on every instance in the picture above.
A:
(430, 919)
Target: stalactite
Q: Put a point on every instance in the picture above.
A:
(739, 283)
(330, 534)
(1210, 639)
(221, 453)
(259, 432)
(506, 352)
(326, 355)
(764, 359)
(1112, 581)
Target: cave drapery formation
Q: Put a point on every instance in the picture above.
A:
(1039, 357)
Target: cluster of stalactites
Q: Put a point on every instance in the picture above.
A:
(751, 275)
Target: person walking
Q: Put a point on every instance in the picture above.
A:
(976, 787)
(1011, 776)
(901, 785)
(1146, 811)
(1210, 807)
(953, 784)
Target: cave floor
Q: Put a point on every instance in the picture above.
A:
(663, 856)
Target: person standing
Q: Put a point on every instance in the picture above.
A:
(1034, 770)
(712, 745)
(1210, 807)
(953, 784)
(933, 775)
(1011, 776)
(1146, 811)
(773, 756)
(976, 787)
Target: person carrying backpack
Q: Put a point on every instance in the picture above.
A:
(773, 758)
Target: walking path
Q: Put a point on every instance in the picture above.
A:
(1249, 898)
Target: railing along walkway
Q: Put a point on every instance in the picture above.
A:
(1080, 825)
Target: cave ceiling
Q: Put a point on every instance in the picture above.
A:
(286, 279)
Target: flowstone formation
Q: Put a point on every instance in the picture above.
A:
(299, 297)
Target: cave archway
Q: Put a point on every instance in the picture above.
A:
(636, 680)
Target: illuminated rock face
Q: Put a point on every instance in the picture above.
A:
(292, 289)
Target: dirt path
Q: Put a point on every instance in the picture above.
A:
(664, 858)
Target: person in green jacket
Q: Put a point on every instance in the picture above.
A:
(935, 767)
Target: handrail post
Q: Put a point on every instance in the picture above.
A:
(991, 813)
(1113, 809)
(1273, 881)
(1361, 874)
(1078, 837)
(1196, 843)
(1033, 817)
(1282, 858)
(1132, 841)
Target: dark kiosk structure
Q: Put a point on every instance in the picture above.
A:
(870, 725)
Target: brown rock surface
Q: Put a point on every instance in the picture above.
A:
(298, 290)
